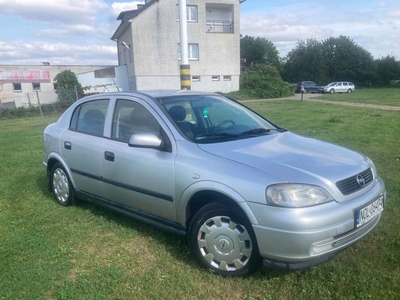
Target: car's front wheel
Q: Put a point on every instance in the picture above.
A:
(332, 91)
(61, 186)
(223, 240)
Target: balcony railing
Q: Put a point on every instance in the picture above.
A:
(219, 26)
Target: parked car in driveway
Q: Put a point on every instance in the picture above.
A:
(307, 86)
(240, 188)
(338, 87)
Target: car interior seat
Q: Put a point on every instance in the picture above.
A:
(178, 114)
(94, 120)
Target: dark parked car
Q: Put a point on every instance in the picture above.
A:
(240, 188)
(307, 86)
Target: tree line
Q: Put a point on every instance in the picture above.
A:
(333, 59)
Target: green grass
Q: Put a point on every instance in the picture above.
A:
(380, 96)
(86, 252)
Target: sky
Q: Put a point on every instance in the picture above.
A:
(78, 32)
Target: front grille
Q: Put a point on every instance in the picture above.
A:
(356, 182)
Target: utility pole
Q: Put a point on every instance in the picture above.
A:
(184, 67)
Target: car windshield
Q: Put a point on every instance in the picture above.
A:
(332, 84)
(213, 118)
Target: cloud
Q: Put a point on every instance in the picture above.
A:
(59, 11)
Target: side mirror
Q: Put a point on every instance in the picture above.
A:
(145, 140)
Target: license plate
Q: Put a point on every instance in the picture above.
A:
(368, 212)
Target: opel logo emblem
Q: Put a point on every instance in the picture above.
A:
(360, 180)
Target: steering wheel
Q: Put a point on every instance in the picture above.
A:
(222, 123)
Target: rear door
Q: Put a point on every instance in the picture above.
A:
(81, 145)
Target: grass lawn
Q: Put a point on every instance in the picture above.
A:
(380, 96)
(85, 252)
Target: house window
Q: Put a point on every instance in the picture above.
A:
(193, 51)
(215, 78)
(227, 78)
(195, 78)
(191, 13)
(36, 86)
(17, 87)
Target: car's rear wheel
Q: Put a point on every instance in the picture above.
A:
(61, 186)
(349, 91)
(223, 240)
(305, 91)
(332, 91)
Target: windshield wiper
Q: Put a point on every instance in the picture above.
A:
(217, 134)
(258, 131)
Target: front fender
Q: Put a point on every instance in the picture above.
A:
(206, 185)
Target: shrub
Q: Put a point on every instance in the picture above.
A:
(264, 81)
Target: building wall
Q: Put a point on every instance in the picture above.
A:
(154, 36)
(26, 75)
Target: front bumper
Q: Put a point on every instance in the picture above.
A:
(299, 238)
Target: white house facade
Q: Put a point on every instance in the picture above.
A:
(148, 42)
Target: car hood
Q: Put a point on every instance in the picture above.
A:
(292, 158)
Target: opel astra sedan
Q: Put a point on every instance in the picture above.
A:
(240, 188)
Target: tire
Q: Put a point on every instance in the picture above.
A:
(61, 186)
(332, 91)
(223, 241)
(349, 91)
(305, 91)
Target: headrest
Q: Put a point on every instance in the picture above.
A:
(177, 113)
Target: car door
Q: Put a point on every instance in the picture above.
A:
(339, 87)
(139, 178)
(81, 145)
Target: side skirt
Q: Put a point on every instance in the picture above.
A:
(158, 222)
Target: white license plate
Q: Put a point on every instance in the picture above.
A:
(366, 213)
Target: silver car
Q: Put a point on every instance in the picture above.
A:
(338, 87)
(241, 189)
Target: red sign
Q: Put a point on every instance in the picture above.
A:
(25, 76)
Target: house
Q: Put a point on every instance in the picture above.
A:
(148, 42)
(26, 85)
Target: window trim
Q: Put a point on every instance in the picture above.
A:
(215, 78)
(15, 90)
(36, 89)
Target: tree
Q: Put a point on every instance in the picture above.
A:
(387, 69)
(347, 61)
(259, 51)
(67, 87)
(305, 62)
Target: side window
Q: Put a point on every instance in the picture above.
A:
(131, 117)
(90, 117)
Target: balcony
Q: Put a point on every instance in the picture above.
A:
(219, 18)
(220, 26)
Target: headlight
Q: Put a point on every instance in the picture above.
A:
(296, 195)
(372, 167)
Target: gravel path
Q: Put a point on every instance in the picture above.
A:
(311, 97)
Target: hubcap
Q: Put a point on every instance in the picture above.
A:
(60, 185)
(224, 244)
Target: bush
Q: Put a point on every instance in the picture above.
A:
(33, 111)
(264, 81)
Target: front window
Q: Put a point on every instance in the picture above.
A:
(210, 119)
(131, 117)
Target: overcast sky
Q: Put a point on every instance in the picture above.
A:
(78, 32)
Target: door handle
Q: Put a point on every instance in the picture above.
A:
(67, 145)
(109, 156)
